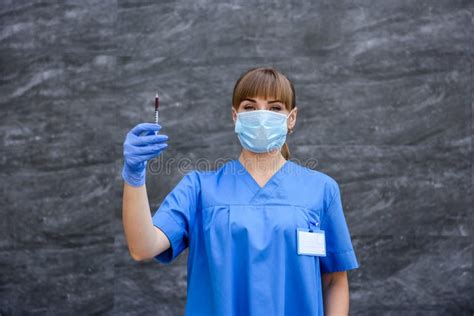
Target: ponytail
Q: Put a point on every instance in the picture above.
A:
(285, 151)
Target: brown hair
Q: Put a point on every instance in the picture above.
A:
(265, 82)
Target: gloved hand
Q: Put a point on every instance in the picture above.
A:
(141, 144)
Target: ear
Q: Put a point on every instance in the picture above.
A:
(234, 114)
(292, 118)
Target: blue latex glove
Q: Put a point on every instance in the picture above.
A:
(141, 144)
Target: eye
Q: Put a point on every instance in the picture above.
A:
(276, 108)
(248, 107)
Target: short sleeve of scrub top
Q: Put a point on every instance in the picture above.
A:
(340, 255)
(174, 216)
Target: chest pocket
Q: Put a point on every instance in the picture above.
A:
(256, 227)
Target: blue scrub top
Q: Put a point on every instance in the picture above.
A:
(242, 239)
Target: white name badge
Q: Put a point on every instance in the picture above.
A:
(311, 242)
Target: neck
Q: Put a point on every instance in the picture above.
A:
(262, 162)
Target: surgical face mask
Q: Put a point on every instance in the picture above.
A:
(261, 130)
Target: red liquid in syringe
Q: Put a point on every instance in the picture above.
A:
(157, 105)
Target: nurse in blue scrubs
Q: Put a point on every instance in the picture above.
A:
(266, 236)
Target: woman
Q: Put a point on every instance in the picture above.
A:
(266, 236)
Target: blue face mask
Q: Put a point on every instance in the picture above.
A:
(261, 130)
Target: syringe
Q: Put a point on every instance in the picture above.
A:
(157, 105)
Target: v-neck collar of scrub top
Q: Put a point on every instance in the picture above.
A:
(261, 193)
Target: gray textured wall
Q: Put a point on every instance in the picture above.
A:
(385, 96)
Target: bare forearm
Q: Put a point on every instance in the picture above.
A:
(137, 222)
(336, 297)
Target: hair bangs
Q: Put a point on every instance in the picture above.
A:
(264, 83)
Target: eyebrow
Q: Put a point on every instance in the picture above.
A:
(252, 100)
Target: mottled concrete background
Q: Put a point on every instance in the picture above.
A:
(385, 96)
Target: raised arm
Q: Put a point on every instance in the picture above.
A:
(144, 239)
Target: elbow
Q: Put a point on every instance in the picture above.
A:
(135, 256)
(138, 257)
